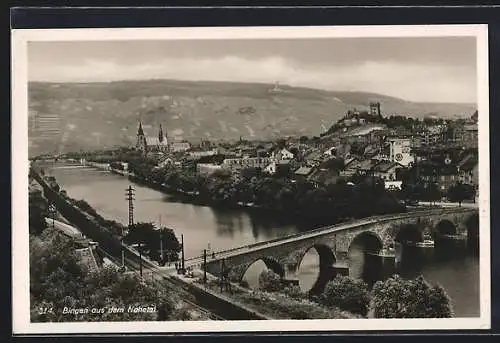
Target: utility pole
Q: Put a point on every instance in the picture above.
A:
(161, 243)
(130, 198)
(221, 275)
(204, 265)
(182, 247)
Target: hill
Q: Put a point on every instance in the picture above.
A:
(74, 116)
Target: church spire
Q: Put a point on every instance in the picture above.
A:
(140, 132)
(160, 135)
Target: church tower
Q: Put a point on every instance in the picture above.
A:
(163, 144)
(160, 135)
(141, 143)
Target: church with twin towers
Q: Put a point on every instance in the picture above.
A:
(157, 143)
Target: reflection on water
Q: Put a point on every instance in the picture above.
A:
(456, 269)
(308, 271)
(253, 272)
(453, 268)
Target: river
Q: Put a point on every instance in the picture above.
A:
(207, 228)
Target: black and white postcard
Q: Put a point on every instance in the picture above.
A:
(250, 179)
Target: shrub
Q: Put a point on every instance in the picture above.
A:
(244, 284)
(399, 298)
(269, 281)
(294, 292)
(347, 294)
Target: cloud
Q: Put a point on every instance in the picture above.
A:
(417, 82)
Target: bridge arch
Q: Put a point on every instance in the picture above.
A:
(326, 255)
(446, 227)
(326, 259)
(369, 241)
(358, 260)
(267, 262)
(409, 233)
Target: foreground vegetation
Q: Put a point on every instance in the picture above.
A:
(59, 283)
(345, 297)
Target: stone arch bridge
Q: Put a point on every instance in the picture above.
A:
(332, 243)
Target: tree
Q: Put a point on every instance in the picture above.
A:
(248, 173)
(269, 281)
(149, 237)
(38, 211)
(458, 193)
(432, 192)
(348, 294)
(400, 298)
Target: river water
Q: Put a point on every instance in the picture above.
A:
(207, 228)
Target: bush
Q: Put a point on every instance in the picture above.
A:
(244, 284)
(294, 292)
(269, 281)
(58, 279)
(399, 298)
(347, 294)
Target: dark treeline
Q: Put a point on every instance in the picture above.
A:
(251, 187)
(160, 245)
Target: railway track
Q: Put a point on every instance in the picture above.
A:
(171, 283)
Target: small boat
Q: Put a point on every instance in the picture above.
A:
(428, 242)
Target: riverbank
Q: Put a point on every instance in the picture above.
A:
(299, 202)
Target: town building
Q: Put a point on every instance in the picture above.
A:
(375, 109)
(468, 170)
(180, 146)
(146, 144)
(361, 167)
(282, 154)
(331, 151)
(207, 168)
(448, 169)
(203, 153)
(324, 176)
(235, 164)
(465, 135)
(141, 142)
(303, 172)
(387, 171)
(400, 151)
(271, 168)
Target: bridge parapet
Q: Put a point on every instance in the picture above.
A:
(333, 243)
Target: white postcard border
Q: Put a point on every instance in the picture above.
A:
(20, 167)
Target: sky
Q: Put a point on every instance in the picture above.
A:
(426, 69)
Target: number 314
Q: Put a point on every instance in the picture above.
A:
(45, 310)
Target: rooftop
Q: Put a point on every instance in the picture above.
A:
(385, 166)
(303, 171)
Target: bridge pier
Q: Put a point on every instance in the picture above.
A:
(340, 268)
(341, 265)
(290, 277)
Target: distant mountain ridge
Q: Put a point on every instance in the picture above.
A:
(92, 115)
